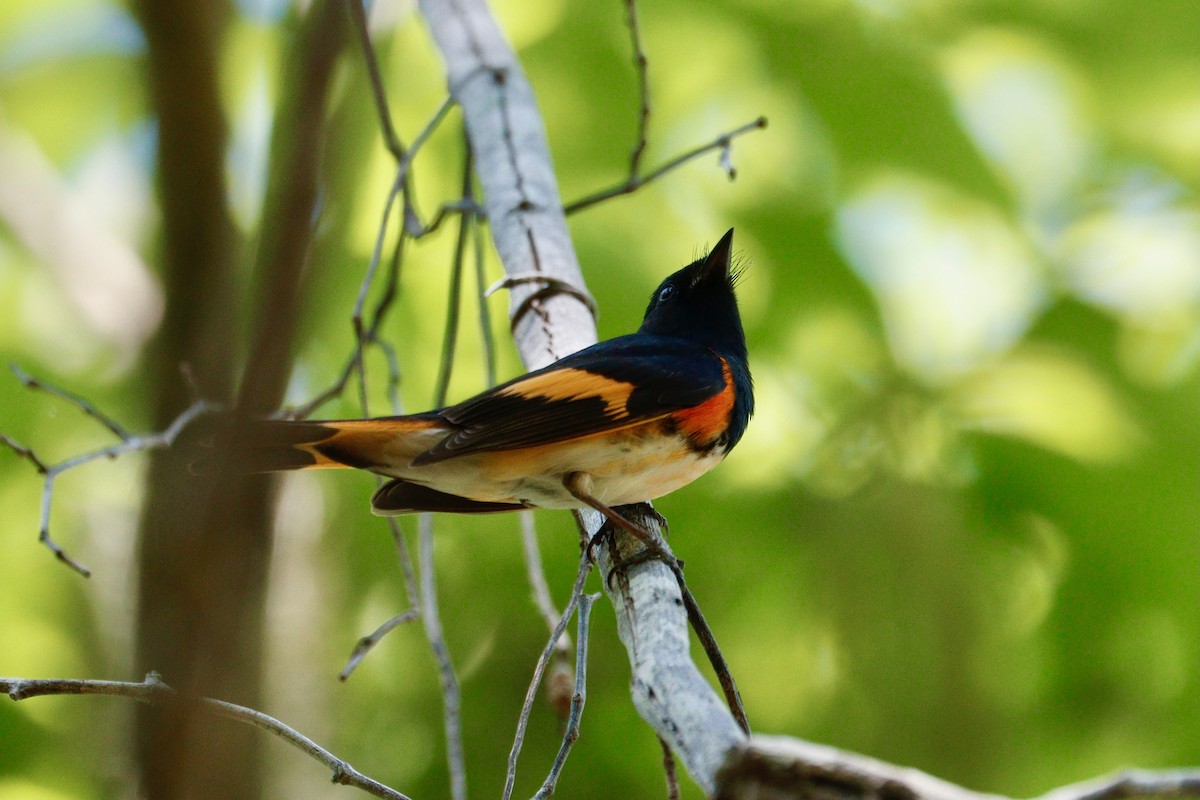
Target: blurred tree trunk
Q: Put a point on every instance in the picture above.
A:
(205, 541)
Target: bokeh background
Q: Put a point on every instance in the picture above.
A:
(963, 530)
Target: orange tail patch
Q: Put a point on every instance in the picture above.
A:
(361, 444)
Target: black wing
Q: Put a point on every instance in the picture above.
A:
(610, 385)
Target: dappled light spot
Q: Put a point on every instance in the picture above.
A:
(830, 363)
(17, 789)
(1159, 110)
(782, 437)
(800, 674)
(1140, 260)
(1025, 577)
(1021, 574)
(1161, 353)
(107, 284)
(526, 23)
(1024, 109)
(1135, 260)
(1052, 400)
(955, 284)
(1146, 654)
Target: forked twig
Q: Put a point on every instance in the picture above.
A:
(585, 568)
(578, 698)
(129, 443)
(365, 335)
(723, 143)
(152, 690)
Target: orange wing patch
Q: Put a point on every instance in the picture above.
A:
(575, 384)
(705, 422)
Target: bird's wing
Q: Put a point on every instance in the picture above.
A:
(610, 385)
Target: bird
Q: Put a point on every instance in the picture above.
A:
(624, 421)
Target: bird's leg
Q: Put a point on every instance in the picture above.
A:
(655, 548)
(579, 484)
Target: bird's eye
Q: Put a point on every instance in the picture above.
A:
(666, 292)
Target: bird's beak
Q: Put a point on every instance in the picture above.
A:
(718, 261)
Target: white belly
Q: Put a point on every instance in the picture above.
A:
(623, 470)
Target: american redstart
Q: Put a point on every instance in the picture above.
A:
(625, 420)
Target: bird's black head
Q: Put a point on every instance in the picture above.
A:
(698, 303)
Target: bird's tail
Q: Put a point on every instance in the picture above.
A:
(373, 444)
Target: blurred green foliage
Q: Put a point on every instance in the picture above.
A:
(962, 532)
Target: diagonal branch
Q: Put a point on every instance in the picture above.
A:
(152, 690)
(520, 191)
(550, 317)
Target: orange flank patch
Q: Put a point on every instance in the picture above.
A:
(575, 384)
(705, 422)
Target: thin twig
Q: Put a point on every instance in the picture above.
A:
(369, 336)
(672, 776)
(631, 184)
(696, 618)
(24, 452)
(585, 568)
(412, 219)
(715, 657)
(485, 318)
(354, 365)
(392, 389)
(368, 642)
(537, 579)
(641, 65)
(418, 229)
(578, 698)
(358, 18)
(356, 317)
(366, 334)
(450, 337)
(558, 687)
(152, 690)
(406, 564)
(83, 405)
(451, 699)
(128, 444)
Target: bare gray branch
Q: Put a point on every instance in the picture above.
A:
(153, 690)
